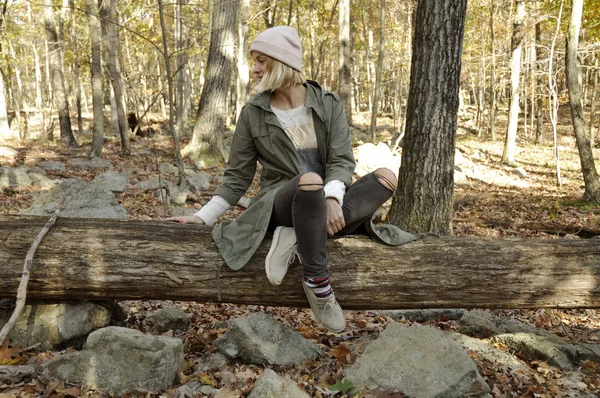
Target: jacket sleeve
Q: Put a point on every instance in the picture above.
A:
(340, 159)
(241, 165)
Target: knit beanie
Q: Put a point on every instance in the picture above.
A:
(281, 43)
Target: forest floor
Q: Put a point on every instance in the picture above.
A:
(495, 205)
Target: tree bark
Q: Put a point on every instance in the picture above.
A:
(115, 260)
(58, 80)
(379, 73)
(573, 71)
(110, 33)
(96, 75)
(345, 61)
(593, 104)
(206, 147)
(508, 156)
(243, 69)
(424, 199)
(539, 138)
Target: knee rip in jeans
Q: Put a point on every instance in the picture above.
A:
(310, 182)
(386, 178)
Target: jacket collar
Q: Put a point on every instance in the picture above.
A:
(314, 98)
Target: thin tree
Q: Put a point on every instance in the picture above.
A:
(493, 75)
(96, 77)
(183, 73)
(243, 70)
(345, 61)
(110, 39)
(539, 118)
(593, 104)
(516, 45)
(5, 131)
(424, 199)
(206, 146)
(379, 73)
(76, 67)
(573, 71)
(57, 72)
(552, 86)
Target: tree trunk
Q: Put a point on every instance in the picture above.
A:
(345, 62)
(379, 73)
(423, 201)
(5, 131)
(76, 68)
(183, 72)
(594, 98)
(552, 86)
(58, 80)
(539, 139)
(516, 44)
(206, 147)
(110, 35)
(573, 71)
(96, 75)
(243, 69)
(115, 260)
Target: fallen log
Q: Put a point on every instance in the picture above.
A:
(117, 260)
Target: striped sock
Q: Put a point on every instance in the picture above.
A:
(319, 285)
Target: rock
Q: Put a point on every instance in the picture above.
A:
(169, 318)
(177, 194)
(271, 385)
(426, 315)
(12, 178)
(83, 200)
(151, 182)
(37, 170)
(201, 180)
(52, 165)
(489, 353)
(183, 211)
(90, 164)
(195, 388)
(519, 171)
(168, 168)
(7, 152)
(260, 339)
(40, 180)
(55, 326)
(370, 157)
(418, 361)
(211, 362)
(534, 347)
(112, 181)
(118, 360)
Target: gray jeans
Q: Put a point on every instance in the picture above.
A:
(305, 211)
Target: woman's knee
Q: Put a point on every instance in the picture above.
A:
(387, 178)
(310, 182)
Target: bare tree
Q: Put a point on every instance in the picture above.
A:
(110, 36)
(96, 75)
(345, 61)
(206, 146)
(493, 75)
(58, 80)
(379, 73)
(424, 199)
(552, 86)
(516, 45)
(243, 70)
(593, 104)
(573, 70)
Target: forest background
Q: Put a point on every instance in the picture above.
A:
(55, 56)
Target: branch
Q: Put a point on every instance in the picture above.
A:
(22, 290)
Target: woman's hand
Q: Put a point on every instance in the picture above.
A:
(186, 219)
(335, 216)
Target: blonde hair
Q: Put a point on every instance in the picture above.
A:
(278, 75)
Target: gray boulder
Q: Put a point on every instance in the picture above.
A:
(169, 318)
(56, 325)
(82, 199)
(260, 339)
(211, 362)
(90, 164)
(201, 180)
(168, 168)
(489, 353)
(418, 361)
(52, 165)
(271, 385)
(40, 180)
(12, 178)
(112, 181)
(426, 315)
(118, 360)
(532, 347)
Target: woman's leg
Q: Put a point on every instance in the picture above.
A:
(365, 196)
(300, 204)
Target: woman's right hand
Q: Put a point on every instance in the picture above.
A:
(186, 220)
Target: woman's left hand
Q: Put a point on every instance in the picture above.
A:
(335, 216)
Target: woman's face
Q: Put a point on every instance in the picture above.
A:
(260, 62)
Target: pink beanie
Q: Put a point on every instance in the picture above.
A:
(281, 43)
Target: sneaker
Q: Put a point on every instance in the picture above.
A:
(281, 255)
(327, 310)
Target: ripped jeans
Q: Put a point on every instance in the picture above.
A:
(305, 211)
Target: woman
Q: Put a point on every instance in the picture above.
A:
(298, 132)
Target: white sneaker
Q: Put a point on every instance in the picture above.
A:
(281, 254)
(326, 310)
